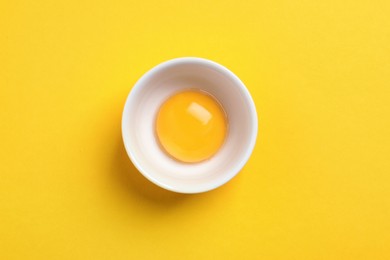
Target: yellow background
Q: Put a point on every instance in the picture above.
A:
(316, 187)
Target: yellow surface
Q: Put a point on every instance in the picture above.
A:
(191, 126)
(316, 187)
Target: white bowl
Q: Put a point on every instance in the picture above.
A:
(139, 115)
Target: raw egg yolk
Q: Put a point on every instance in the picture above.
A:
(191, 126)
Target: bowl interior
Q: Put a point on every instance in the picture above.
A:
(138, 125)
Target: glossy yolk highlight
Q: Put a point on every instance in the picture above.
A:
(191, 126)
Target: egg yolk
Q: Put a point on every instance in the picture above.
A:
(191, 126)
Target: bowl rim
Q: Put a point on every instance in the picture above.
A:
(237, 82)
